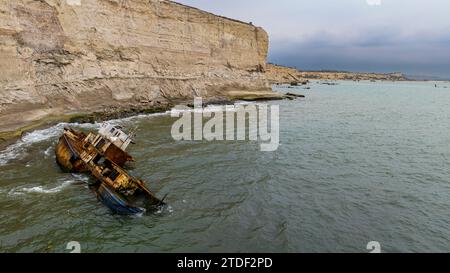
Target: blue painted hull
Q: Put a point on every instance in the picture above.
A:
(116, 202)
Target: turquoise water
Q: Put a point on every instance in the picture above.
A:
(358, 162)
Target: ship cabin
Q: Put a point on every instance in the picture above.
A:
(115, 135)
(111, 142)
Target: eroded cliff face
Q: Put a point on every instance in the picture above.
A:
(62, 56)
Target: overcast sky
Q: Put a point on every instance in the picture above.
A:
(411, 36)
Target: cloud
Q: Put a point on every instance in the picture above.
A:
(410, 35)
(409, 56)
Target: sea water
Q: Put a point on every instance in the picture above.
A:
(357, 162)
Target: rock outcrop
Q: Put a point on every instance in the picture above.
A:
(277, 74)
(286, 75)
(67, 56)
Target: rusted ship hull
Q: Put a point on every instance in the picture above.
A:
(69, 148)
(92, 153)
(116, 202)
(67, 154)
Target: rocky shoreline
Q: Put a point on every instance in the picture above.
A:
(60, 58)
(9, 137)
(128, 110)
(59, 67)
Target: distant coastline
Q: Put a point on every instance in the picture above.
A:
(285, 74)
(278, 74)
(426, 78)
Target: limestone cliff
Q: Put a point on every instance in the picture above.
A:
(62, 56)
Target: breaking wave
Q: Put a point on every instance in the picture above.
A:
(18, 149)
(165, 209)
(80, 177)
(41, 189)
(211, 108)
(63, 183)
(136, 117)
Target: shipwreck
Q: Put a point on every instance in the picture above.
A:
(103, 155)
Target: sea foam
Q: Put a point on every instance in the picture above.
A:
(42, 189)
(62, 184)
(18, 150)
